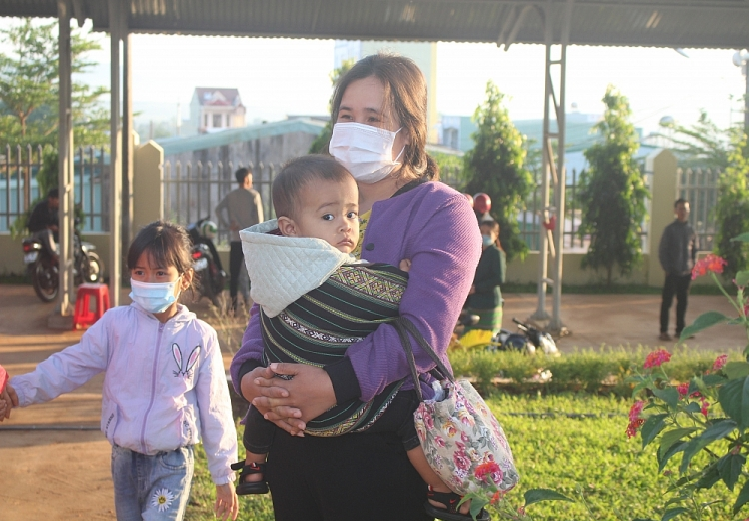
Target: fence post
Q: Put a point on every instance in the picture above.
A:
(148, 185)
(663, 164)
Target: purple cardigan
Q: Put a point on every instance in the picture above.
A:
(434, 226)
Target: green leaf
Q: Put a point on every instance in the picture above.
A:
(735, 370)
(693, 447)
(693, 407)
(730, 467)
(669, 395)
(476, 507)
(741, 278)
(670, 437)
(712, 380)
(673, 512)
(733, 397)
(704, 321)
(741, 499)
(709, 478)
(718, 430)
(743, 237)
(640, 386)
(536, 495)
(652, 427)
(663, 457)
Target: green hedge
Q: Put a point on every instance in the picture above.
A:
(593, 371)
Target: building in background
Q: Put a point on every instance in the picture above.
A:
(214, 109)
(424, 55)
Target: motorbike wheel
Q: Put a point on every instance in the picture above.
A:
(46, 282)
(93, 270)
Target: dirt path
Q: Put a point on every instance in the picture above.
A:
(54, 462)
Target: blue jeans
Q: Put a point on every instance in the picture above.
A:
(151, 488)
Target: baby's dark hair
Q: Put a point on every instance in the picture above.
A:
(294, 176)
(167, 244)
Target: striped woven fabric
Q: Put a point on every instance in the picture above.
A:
(317, 329)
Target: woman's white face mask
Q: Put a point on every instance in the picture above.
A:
(364, 150)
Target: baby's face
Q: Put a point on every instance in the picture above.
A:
(329, 210)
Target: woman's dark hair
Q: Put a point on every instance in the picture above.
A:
(167, 244)
(406, 94)
(294, 176)
(493, 227)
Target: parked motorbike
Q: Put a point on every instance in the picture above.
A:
(209, 274)
(528, 339)
(43, 267)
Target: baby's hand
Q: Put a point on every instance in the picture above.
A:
(404, 265)
(227, 504)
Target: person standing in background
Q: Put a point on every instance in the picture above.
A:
(243, 208)
(677, 251)
(485, 298)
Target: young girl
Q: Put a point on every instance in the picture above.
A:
(164, 385)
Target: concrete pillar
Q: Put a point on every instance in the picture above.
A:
(663, 164)
(127, 144)
(148, 185)
(115, 155)
(65, 169)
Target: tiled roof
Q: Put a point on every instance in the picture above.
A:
(651, 23)
(217, 96)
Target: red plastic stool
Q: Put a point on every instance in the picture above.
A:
(84, 316)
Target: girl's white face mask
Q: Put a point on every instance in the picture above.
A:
(154, 297)
(364, 150)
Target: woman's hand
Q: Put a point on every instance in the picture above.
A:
(309, 392)
(227, 505)
(261, 382)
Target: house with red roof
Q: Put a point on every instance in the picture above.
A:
(213, 109)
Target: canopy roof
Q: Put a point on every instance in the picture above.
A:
(649, 23)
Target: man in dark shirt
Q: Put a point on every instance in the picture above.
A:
(43, 223)
(677, 251)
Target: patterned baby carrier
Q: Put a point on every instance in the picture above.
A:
(318, 328)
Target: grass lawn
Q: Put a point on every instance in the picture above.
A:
(587, 457)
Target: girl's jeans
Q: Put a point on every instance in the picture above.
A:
(151, 487)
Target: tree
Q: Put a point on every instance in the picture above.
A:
(612, 192)
(29, 88)
(731, 210)
(702, 144)
(495, 166)
(320, 145)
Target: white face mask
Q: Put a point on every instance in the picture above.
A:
(366, 151)
(154, 297)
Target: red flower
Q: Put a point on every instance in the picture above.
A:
(683, 389)
(704, 407)
(633, 428)
(635, 420)
(709, 263)
(656, 358)
(485, 469)
(720, 362)
(495, 497)
(461, 460)
(521, 511)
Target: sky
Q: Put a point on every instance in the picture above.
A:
(280, 77)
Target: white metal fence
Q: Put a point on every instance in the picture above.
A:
(19, 189)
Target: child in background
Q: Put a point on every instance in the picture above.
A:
(164, 389)
(315, 300)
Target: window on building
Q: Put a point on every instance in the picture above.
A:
(205, 120)
(218, 121)
(450, 137)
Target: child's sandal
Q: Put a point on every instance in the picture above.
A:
(245, 488)
(450, 513)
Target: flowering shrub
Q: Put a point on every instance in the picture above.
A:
(707, 415)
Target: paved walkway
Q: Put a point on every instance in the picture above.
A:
(51, 469)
